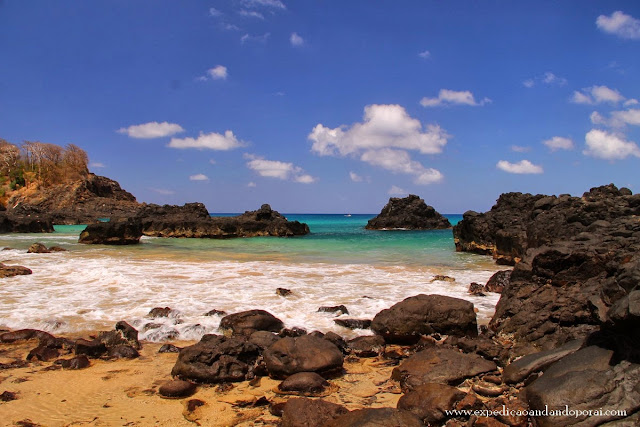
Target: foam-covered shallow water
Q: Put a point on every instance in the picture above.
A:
(93, 287)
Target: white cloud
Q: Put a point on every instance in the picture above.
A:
(296, 40)
(381, 140)
(152, 130)
(559, 143)
(529, 83)
(209, 141)
(219, 72)
(522, 167)
(618, 119)
(97, 165)
(258, 39)
(520, 149)
(277, 169)
(251, 14)
(597, 95)
(425, 54)
(452, 97)
(229, 27)
(396, 191)
(214, 12)
(630, 102)
(355, 177)
(276, 4)
(199, 177)
(550, 78)
(620, 24)
(212, 161)
(163, 191)
(251, 184)
(609, 146)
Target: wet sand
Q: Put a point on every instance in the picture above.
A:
(125, 392)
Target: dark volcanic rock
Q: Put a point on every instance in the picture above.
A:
(92, 349)
(476, 289)
(114, 232)
(303, 412)
(169, 348)
(378, 417)
(177, 389)
(283, 292)
(307, 353)
(338, 309)
(216, 359)
(78, 362)
(160, 312)
(583, 381)
(410, 213)
(43, 353)
(14, 222)
(38, 248)
(430, 401)
(353, 323)
(439, 365)
(263, 339)
(304, 382)
(193, 220)
(367, 346)
(498, 281)
(247, 322)
(520, 369)
(13, 270)
(423, 314)
(123, 351)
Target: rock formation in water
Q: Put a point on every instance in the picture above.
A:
(410, 213)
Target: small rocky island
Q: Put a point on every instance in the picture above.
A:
(191, 221)
(408, 213)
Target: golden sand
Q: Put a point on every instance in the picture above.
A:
(125, 393)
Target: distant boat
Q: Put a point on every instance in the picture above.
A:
(348, 215)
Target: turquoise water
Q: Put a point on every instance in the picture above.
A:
(334, 238)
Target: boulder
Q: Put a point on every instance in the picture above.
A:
(161, 312)
(585, 381)
(93, 348)
(38, 248)
(263, 339)
(303, 412)
(114, 232)
(123, 351)
(216, 359)
(307, 353)
(13, 270)
(410, 213)
(247, 322)
(283, 292)
(304, 382)
(423, 314)
(177, 389)
(377, 417)
(440, 365)
(367, 346)
(338, 309)
(498, 281)
(78, 362)
(476, 289)
(353, 323)
(430, 401)
(14, 222)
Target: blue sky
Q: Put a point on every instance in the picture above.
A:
(329, 106)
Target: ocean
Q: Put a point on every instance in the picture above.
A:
(91, 287)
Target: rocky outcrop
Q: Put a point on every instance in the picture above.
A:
(519, 221)
(247, 322)
(193, 220)
(13, 270)
(13, 222)
(423, 314)
(114, 232)
(307, 353)
(79, 202)
(410, 213)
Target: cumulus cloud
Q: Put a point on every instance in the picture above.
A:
(199, 177)
(520, 149)
(355, 177)
(521, 167)
(559, 143)
(609, 146)
(548, 78)
(151, 130)
(620, 24)
(209, 141)
(276, 4)
(219, 72)
(617, 119)
(425, 54)
(529, 83)
(251, 14)
(296, 40)
(276, 169)
(214, 12)
(396, 191)
(382, 139)
(247, 38)
(597, 95)
(452, 97)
